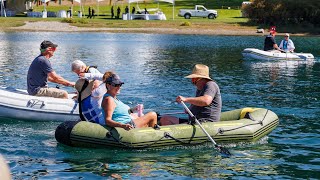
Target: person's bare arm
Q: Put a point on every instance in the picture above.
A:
(54, 77)
(275, 46)
(204, 100)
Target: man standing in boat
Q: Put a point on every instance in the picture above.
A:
(270, 43)
(206, 106)
(40, 71)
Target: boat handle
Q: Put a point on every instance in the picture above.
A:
(32, 102)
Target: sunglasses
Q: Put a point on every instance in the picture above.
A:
(52, 48)
(115, 85)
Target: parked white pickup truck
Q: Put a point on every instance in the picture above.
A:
(198, 11)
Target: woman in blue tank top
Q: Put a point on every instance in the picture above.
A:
(116, 113)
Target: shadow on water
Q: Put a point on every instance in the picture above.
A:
(200, 161)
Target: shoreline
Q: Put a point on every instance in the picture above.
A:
(54, 26)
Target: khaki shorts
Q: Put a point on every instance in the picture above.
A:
(51, 92)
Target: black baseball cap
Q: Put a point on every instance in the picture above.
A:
(114, 79)
(46, 44)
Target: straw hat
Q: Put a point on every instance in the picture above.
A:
(87, 91)
(200, 71)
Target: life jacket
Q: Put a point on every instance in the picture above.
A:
(86, 110)
(84, 86)
(89, 112)
(88, 67)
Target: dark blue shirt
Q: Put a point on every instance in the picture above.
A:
(38, 74)
(268, 43)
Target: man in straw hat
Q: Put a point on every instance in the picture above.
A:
(207, 103)
(89, 103)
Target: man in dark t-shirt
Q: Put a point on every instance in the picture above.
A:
(210, 98)
(40, 71)
(207, 103)
(270, 43)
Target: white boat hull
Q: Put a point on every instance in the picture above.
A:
(17, 104)
(252, 53)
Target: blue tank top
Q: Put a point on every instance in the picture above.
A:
(120, 113)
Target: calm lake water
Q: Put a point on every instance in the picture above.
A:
(153, 67)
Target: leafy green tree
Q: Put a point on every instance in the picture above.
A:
(284, 11)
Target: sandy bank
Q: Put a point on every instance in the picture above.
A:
(65, 27)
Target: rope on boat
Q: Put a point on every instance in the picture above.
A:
(221, 131)
(165, 135)
(109, 134)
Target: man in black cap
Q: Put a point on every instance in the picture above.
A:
(40, 71)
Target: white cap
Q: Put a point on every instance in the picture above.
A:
(287, 34)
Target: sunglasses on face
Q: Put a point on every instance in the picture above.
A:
(52, 48)
(115, 85)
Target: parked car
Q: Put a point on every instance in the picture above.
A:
(198, 11)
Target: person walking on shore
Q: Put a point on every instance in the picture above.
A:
(92, 13)
(118, 12)
(112, 12)
(89, 12)
(133, 10)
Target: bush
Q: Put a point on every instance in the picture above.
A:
(187, 23)
(83, 21)
(68, 20)
(284, 11)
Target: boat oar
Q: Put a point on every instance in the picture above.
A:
(221, 149)
(172, 113)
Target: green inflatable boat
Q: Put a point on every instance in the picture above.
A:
(246, 125)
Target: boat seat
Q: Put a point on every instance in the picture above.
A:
(237, 114)
(12, 89)
(245, 113)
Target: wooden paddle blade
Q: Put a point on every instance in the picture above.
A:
(224, 151)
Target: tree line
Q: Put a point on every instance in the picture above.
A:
(284, 11)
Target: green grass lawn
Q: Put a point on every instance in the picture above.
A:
(227, 18)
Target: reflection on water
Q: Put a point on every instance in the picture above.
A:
(153, 67)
